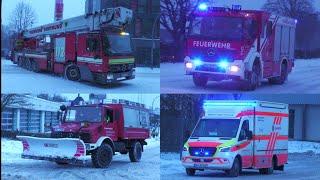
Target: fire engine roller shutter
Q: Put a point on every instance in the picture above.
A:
(59, 49)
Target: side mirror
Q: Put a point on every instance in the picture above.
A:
(63, 108)
(249, 135)
(269, 29)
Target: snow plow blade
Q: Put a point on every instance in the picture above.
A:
(53, 149)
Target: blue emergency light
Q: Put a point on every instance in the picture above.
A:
(203, 7)
(223, 64)
(197, 62)
(236, 7)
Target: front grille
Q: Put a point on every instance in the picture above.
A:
(202, 151)
(210, 68)
(83, 135)
(64, 135)
(202, 160)
(116, 68)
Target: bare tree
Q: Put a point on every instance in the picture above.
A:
(304, 12)
(22, 17)
(174, 17)
(291, 8)
(13, 99)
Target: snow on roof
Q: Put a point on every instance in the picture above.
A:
(35, 103)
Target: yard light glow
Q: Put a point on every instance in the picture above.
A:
(189, 65)
(203, 7)
(234, 68)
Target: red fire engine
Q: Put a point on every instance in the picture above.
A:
(241, 45)
(91, 47)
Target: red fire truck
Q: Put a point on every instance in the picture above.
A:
(99, 130)
(240, 45)
(93, 47)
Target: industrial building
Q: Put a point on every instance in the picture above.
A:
(32, 114)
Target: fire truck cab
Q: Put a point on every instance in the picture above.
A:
(241, 45)
(236, 135)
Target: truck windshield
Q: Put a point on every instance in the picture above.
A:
(224, 28)
(83, 114)
(216, 128)
(117, 44)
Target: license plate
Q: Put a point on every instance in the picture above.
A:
(200, 165)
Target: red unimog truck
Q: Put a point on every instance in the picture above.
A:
(99, 130)
(245, 46)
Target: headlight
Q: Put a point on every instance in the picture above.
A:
(234, 68)
(226, 149)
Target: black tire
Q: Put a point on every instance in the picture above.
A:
(268, 170)
(20, 62)
(102, 156)
(72, 73)
(190, 171)
(283, 75)
(34, 66)
(135, 152)
(200, 80)
(28, 64)
(253, 80)
(235, 170)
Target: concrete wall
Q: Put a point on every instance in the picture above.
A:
(306, 122)
(313, 123)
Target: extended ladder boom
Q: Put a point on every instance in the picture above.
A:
(116, 17)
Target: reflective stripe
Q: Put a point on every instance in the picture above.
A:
(121, 61)
(261, 113)
(89, 60)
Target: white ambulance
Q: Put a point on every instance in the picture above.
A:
(234, 135)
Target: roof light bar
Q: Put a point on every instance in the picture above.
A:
(216, 103)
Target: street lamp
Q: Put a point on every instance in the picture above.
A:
(152, 36)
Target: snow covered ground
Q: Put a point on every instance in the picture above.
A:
(17, 80)
(302, 164)
(14, 167)
(305, 78)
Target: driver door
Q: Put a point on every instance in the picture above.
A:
(245, 144)
(111, 127)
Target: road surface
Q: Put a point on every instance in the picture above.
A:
(300, 166)
(305, 78)
(18, 80)
(13, 167)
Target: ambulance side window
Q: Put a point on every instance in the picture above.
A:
(244, 131)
